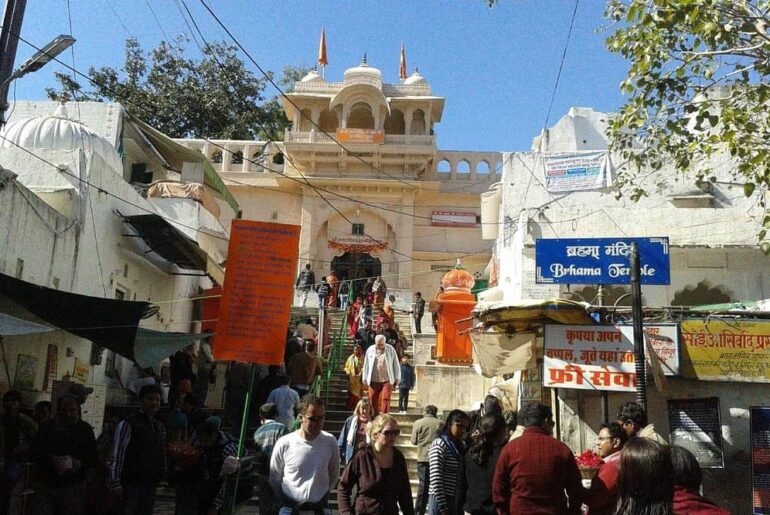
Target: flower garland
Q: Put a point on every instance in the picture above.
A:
(358, 248)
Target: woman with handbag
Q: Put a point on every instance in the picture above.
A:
(378, 473)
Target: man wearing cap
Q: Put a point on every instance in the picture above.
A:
(65, 452)
(138, 456)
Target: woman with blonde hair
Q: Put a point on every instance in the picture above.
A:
(354, 432)
(379, 474)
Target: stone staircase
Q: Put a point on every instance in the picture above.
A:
(336, 412)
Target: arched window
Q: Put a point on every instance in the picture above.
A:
(444, 166)
(237, 158)
(394, 124)
(216, 157)
(360, 117)
(482, 167)
(328, 121)
(464, 167)
(418, 122)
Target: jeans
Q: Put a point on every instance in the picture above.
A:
(433, 506)
(343, 301)
(418, 325)
(403, 399)
(138, 500)
(421, 501)
(303, 293)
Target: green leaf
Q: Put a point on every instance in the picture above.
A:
(749, 188)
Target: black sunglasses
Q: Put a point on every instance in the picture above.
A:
(392, 434)
(316, 418)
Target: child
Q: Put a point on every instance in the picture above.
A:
(406, 384)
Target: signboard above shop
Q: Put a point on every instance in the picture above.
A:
(453, 219)
(600, 260)
(602, 357)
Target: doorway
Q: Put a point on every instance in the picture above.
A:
(357, 267)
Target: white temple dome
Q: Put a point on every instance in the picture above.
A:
(416, 79)
(363, 73)
(312, 76)
(59, 132)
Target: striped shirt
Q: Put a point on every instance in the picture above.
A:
(264, 441)
(444, 465)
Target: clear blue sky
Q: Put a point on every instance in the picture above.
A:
(496, 68)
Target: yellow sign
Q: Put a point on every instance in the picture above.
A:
(717, 350)
(361, 136)
(81, 371)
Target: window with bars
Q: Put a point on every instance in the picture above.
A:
(358, 229)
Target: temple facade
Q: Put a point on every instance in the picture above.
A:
(360, 171)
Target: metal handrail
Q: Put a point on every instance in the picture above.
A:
(338, 342)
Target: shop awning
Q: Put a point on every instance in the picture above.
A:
(154, 346)
(168, 242)
(526, 314)
(110, 323)
(12, 326)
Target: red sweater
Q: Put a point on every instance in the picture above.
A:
(602, 497)
(537, 475)
(690, 503)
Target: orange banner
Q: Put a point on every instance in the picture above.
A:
(258, 292)
(360, 136)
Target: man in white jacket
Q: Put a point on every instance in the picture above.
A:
(381, 374)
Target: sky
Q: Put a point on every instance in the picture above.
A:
(497, 67)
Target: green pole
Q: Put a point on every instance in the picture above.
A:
(242, 435)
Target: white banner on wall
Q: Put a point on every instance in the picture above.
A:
(602, 357)
(577, 172)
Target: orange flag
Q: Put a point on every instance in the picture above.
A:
(322, 50)
(402, 68)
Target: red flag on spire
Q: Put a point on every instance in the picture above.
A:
(402, 68)
(322, 50)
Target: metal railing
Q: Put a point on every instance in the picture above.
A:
(335, 356)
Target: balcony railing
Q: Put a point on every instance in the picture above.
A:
(390, 139)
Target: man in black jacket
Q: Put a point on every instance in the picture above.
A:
(138, 456)
(418, 312)
(65, 451)
(305, 282)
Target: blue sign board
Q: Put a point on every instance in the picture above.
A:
(600, 260)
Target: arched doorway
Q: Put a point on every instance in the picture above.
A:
(356, 266)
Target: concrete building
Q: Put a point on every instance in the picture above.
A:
(712, 229)
(78, 214)
(363, 176)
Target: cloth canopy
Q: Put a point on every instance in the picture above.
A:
(498, 354)
(110, 323)
(12, 326)
(525, 315)
(153, 346)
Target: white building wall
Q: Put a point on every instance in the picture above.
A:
(714, 245)
(55, 249)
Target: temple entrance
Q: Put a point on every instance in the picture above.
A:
(356, 266)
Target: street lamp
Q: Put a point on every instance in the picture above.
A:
(40, 58)
(43, 56)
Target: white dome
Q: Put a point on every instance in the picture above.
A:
(59, 132)
(312, 77)
(416, 79)
(364, 74)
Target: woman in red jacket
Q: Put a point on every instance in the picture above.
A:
(687, 481)
(379, 474)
